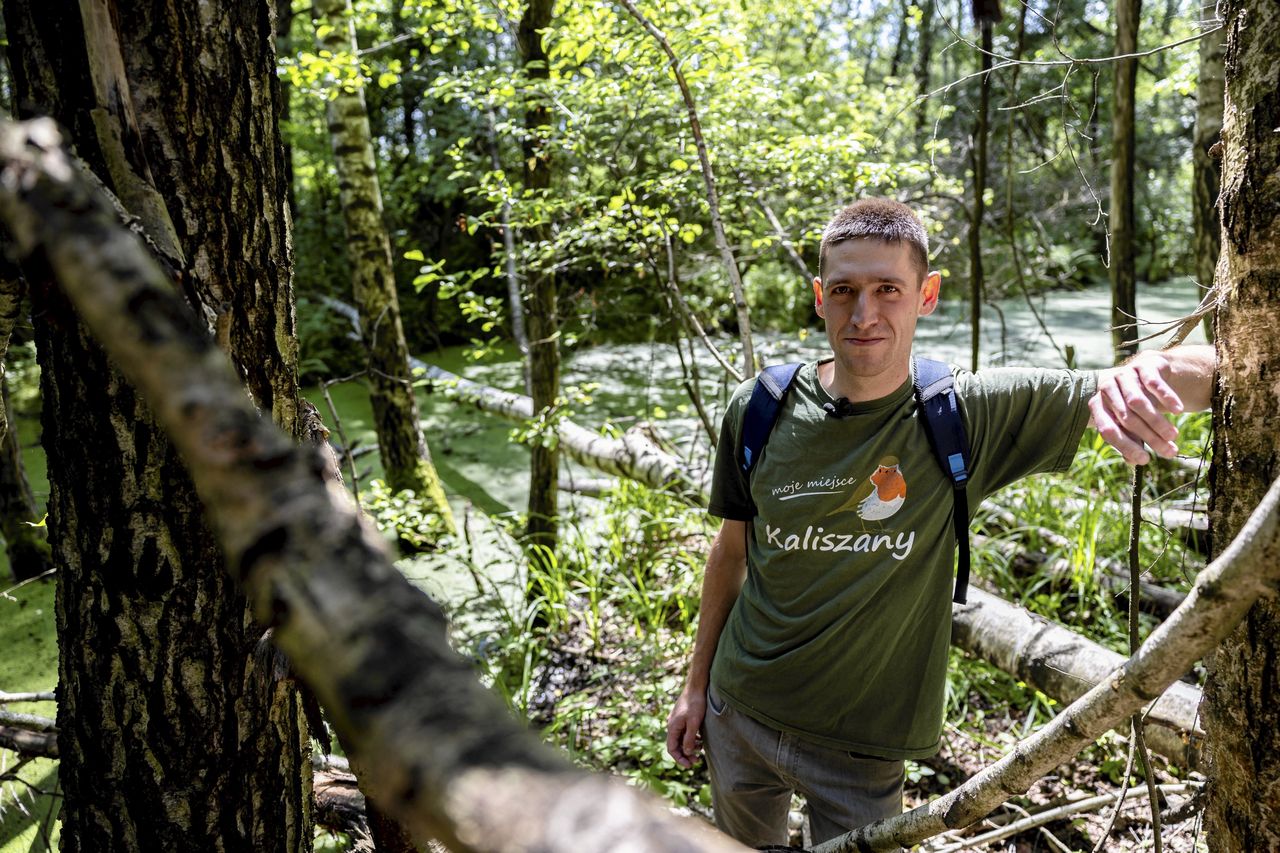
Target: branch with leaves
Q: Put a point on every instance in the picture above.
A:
(708, 177)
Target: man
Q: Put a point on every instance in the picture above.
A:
(819, 663)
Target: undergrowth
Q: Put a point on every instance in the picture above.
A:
(596, 654)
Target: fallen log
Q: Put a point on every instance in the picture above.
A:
(1064, 665)
(634, 455)
(28, 743)
(339, 803)
(1189, 520)
(1152, 597)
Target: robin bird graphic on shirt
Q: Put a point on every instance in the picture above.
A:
(881, 494)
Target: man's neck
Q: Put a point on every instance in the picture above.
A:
(860, 389)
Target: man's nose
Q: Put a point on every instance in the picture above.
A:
(864, 310)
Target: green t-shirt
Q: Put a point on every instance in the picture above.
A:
(840, 633)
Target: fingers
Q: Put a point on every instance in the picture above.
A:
(1128, 410)
(684, 740)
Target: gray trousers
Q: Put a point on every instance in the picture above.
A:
(755, 769)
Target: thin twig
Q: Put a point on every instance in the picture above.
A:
(342, 436)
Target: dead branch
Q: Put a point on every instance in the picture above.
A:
(444, 755)
(1224, 591)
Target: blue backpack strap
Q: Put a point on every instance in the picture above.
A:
(763, 409)
(936, 395)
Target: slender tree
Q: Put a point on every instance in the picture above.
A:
(175, 733)
(1206, 173)
(24, 538)
(986, 13)
(1124, 304)
(1242, 716)
(406, 459)
(923, 62)
(543, 311)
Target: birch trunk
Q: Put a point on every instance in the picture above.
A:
(1243, 716)
(173, 734)
(1064, 665)
(406, 459)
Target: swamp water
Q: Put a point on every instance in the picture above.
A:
(486, 473)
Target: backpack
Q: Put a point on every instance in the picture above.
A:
(936, 396)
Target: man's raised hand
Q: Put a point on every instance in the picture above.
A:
(1132, 399)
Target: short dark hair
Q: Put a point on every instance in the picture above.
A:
(877, 219)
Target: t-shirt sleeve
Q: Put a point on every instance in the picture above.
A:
(730, 485)
(1023, 421)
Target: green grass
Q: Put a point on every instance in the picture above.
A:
(29, 664)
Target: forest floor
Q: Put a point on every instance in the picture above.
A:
(600, 705)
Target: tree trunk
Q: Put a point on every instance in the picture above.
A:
(543, 314)
(1207, 168)
(406, 460)
(985, 14)
(174, 735)
(26, 543)
(1124, 310)
(11, 291)
(922, 65)
(900, 44)
(1243, 716)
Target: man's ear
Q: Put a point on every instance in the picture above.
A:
(817, 297)
(929, 289)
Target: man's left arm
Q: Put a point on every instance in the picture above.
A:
(1132, 399)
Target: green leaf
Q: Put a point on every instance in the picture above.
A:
(680, 165)
(414, 255)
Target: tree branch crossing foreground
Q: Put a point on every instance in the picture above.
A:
(445, 756)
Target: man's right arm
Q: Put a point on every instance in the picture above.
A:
(726, 571)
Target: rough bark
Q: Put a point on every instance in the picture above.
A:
(1065, 665)
(1223, 594)
(1243, 716)
(24, 538)
(1206, 174)
(543, 311)
(1124, 310)
(172, 734)
(446, 757)
(406, 460)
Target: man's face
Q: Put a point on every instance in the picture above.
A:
(870, 299)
